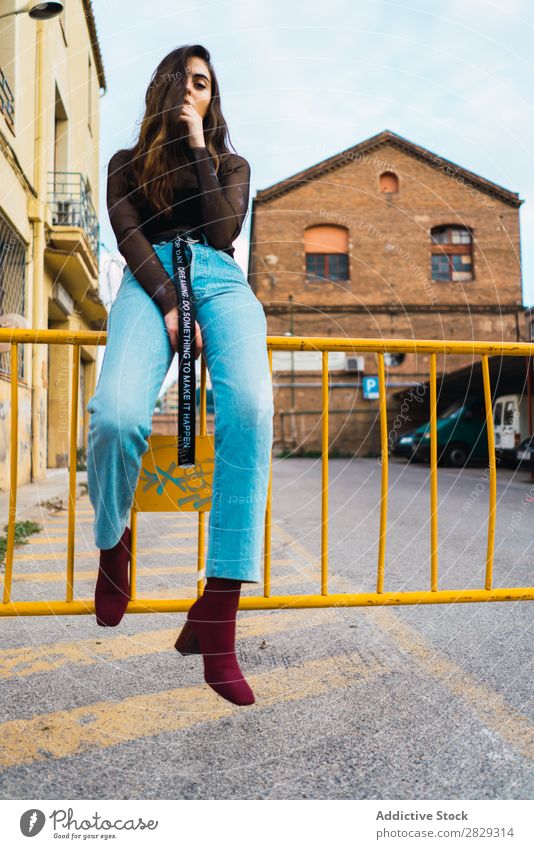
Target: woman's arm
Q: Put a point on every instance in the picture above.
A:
(136, 249)
(224, 202)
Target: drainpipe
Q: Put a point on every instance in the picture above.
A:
(38, 439)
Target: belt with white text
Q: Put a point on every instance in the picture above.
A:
(186, 352)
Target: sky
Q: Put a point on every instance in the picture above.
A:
(300, 82)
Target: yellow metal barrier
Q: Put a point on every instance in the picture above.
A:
(196, 483)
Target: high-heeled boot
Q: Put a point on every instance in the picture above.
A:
(210, 630)
(112, 592)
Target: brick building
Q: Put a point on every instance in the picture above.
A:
(383, 240)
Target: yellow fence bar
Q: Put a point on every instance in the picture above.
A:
(325, 386)
(324, 598)
(492, 472)
(133, 560)
(201, 537)
(433, 478)
(72, 470)
(14, 449)
(384, 476)
(300, 343)
(391, 346)
(268, 515)
(158, 605)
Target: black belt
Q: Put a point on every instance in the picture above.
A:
(186, 353)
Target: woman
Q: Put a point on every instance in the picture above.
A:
(180, 178)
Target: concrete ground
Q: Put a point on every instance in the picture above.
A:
(405, 702)
(37, 500)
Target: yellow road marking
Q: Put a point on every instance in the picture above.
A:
(143, 571)
(295, 577)
(180, 535)
(103, 724)
(489, 706)
(29, 660)
(63, 515)
(42, 539)
(91, 574)
(36, 556)
(57, 523)
(45, 540)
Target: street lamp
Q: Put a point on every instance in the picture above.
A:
(38, 11)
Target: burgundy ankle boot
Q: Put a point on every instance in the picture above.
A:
(210, 630)
(112, 592)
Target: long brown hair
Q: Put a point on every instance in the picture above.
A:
(161, 149)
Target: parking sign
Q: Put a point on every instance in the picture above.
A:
(370, 388)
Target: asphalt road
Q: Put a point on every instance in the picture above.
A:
(404, 702)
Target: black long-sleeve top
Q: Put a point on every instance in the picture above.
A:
(203, 202)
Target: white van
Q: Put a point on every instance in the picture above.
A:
(510, 422)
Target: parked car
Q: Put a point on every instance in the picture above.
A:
(525, 454)
(461, 435)
(511, 425)
(403, 445)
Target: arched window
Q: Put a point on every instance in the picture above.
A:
(452, 252)
(327, 252)
(392, 360)
(389, 182)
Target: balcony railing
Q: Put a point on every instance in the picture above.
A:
(7, 100)
(69, 197)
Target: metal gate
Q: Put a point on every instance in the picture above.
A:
(192, 487)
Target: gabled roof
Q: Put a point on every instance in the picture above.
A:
(339, 160)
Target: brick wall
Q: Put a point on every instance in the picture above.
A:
(390, 293)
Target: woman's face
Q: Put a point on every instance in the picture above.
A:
(198, 85)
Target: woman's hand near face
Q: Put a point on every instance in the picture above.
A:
(173, 329)
(193, 120)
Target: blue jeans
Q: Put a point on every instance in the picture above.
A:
(137, 357)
